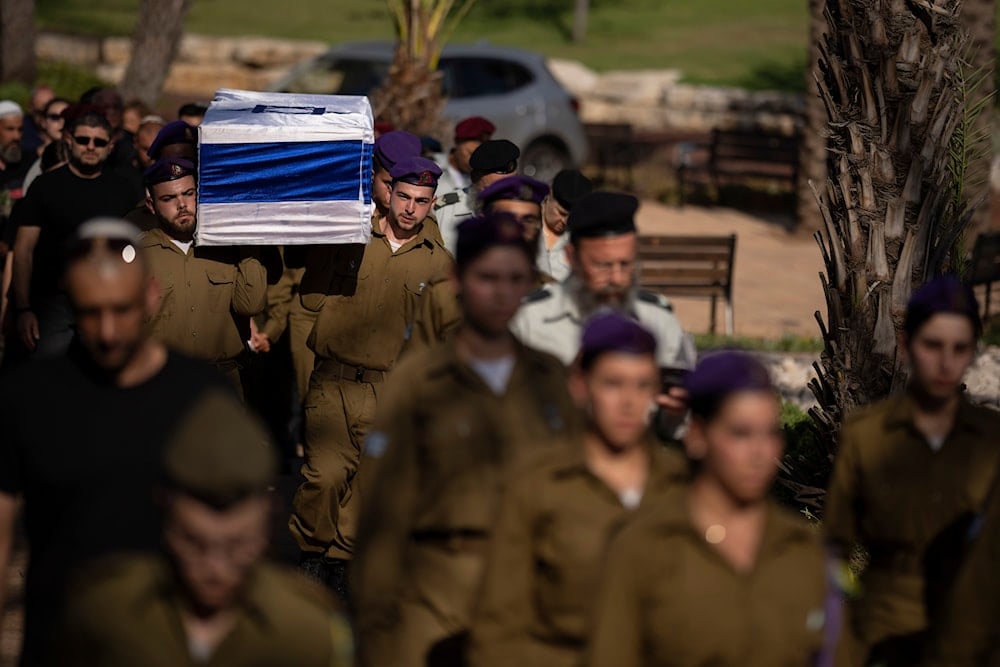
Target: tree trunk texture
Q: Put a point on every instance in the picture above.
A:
(979, 21)
(157, 36)
(17, 41)
(894, 86)
(411, 97)
(812, 149)
(581, 12)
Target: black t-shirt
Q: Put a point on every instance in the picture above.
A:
(58, 202)
(86, 455)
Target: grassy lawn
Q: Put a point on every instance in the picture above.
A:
(722, 41)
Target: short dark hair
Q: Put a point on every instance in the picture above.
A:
(89, 119)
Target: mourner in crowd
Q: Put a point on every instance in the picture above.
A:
(452, 422)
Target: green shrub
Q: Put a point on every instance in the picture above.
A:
(806, 465)
(69, 81)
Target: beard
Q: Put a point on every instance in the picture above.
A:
(11, 153)
(180, 227)
(610, 298)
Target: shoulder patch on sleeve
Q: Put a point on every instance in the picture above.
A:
(655, 299)
(447, 199)
(540, 294)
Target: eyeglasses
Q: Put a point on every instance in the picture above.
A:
(85, 141)
(54, 116)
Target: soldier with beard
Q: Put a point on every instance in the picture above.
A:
(208, 294)
(602, 253)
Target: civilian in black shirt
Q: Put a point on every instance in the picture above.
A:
(83, 433)
(57, 204)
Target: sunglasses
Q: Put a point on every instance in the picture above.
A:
(85, 141)
(54, 116)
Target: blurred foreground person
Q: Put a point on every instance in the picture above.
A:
(83, 434)
(210, 599)
(910, 477)
(716, 574)
(451, 423)
(558, 514)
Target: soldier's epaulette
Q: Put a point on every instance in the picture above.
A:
(540, 294)
(656, 299)
(447, 199)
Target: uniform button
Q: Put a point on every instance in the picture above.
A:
(189, 283)
(386, 281)
(192, 309)
(378, 307)
(194, 333)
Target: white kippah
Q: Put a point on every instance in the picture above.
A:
(9, 108)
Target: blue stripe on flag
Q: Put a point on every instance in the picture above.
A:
(284, 172)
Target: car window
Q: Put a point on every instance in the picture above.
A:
(478, 77)
(339, 76)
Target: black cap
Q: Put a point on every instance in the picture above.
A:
(168, 169)
(495, 157)
(603, 214)
(220, 454)
(570, 186)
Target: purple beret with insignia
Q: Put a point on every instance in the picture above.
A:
(168, 169)
(518, 188)
(613, 332)
(416, 170)
(175, 132)
(394, 146)
(945, 294)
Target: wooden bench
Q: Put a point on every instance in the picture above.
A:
(740, 156)
(612, 146)
(698, 266)
(985, 268)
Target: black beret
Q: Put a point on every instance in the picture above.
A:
(495, 157)
(570, 186)
(603, 214)
(168, 169)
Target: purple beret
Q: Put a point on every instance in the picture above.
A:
(394, 146)
(724, 373)
(945, 294)
(613, 332)
(518, 188)
(495, 157)
(570, 186)
(174, 132)
(168, 169)
(416, 170)
(476, 127)
(479, 234)
(603, 214)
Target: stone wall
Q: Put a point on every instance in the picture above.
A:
(651, 100)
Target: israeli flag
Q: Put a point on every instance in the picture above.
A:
(285, 169)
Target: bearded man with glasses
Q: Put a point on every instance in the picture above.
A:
(57, 204)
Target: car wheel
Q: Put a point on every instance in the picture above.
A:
(543, 160)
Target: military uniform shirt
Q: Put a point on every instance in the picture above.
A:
(450, 210)
(550, 320)
(435, 462)
(668, 598)
(893, 494)
(371, 298)
(552, 261)
(547, 555)
(207, 296)
(127, 613)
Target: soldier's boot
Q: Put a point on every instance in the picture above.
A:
(331, 572)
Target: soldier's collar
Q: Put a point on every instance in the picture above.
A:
(900, 414)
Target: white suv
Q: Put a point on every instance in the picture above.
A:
(511, 87)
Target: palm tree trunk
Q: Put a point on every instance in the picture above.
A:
(17, 41)
(979, 20)
(812, 150)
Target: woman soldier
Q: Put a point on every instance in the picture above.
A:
(910, 474)
(716, 573)
(455, 418)
(558, 515)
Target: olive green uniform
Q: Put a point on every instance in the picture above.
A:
(670, 598)
(367, 299)
(285, 313)
(208, 296)
(127, 612)
(438, 457)
(546, 558)
(893, 494)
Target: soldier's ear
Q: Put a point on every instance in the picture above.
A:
(149, 201)
(695, 443)
(577, 384)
